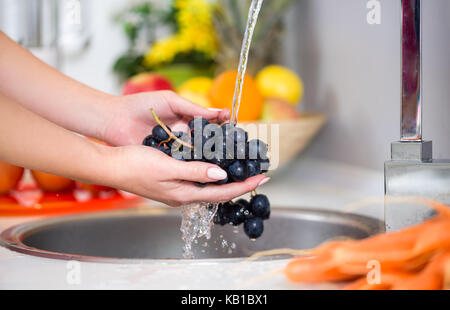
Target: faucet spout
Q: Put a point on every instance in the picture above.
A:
(411, 109)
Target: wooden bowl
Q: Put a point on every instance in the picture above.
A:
(286, 139)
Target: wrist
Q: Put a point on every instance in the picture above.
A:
(98, 166)
(109, 169)
(106, 111)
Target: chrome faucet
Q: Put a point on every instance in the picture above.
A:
(411, 170)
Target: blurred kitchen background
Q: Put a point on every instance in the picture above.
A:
(350, 69)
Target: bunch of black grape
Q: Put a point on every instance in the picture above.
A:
(228, 147)
(250, 213)
(224, 145)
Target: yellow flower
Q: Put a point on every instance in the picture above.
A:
(196, 33)
(162, 51)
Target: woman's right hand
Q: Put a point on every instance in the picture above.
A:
(150, 173)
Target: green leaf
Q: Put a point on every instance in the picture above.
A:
(131, 31)
(128, 65)
(143, 9)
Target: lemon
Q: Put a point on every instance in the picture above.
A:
(196, 98)
(196, 90)
(199, 85)
(279, 82)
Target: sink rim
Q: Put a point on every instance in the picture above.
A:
(11, 238)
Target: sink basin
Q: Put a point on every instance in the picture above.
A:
(153, 233)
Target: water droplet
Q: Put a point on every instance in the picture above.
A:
(197, 221)
(224, 243)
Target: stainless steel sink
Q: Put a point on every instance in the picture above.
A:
(134, 235)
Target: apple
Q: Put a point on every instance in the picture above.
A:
(278, 110)
(52, 183)
(10, 175)
(144, 82)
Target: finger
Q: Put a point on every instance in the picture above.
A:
(197, 172)
(184, 107)
(224, 115)
(220, 193)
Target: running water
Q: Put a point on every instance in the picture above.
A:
(253, 13)
(197, 220)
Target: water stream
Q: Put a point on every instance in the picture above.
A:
(197, 221)
(197, 218)
(253, 14)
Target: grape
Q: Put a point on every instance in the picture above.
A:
(200, 122)
(253, 167)
(244, 205)
(178, 134)
(222, 216)
(150, 141)
(241, 150)
(260, 206)
(235, 133)
(253, 227)
(159, 133)
(257, 149)
(237, 171)
(228, 148)
(237, 216)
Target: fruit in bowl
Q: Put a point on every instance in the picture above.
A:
(222, 93)
(52, 183)
(278, 110)
(144, 82)
(10, 176)
(279, 82)
(196, 90)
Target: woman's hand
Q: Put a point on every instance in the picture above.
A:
(150, 173)
(130, 120)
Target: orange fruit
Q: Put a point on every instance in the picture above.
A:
(10, 175)
(51, 183)
(222, 92)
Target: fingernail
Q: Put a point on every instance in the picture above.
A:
(264, 181)
(216, 174)
(214, 109)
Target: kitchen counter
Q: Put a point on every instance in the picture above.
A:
(306, 182)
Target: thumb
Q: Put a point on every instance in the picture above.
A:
(198, 172)
(184, 107)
